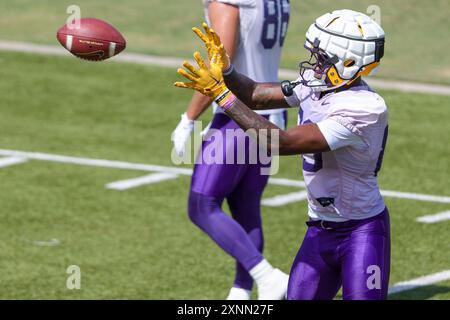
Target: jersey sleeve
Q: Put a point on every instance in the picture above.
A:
(356, 120)
(361, 114)
(237, 3)
(300, 90)
(338, 136)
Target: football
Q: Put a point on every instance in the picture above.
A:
(92, 39)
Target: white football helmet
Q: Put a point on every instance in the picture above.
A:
(344, 45)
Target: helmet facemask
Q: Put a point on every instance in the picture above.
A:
(319, 63)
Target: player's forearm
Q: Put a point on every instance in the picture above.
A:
(257, 96)
(261, 129)
(199, 103)
(247, 118)
(269, 96)
(301, 139)
(242, 87)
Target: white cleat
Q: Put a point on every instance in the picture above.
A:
(239, 294)
(275, 287)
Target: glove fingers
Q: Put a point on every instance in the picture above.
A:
(191, 68)
(203, 37)
(222, 49)
(215, 38)
(224, 58)
(188, 85)
(200, 61)
(208, 31)
(215, 58)
(186, 74)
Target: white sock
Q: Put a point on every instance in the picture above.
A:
(239, 294)
(261, 272)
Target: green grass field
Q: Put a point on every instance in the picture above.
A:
(139, 243)
(416, 31)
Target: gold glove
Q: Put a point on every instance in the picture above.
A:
(213, 45)
(206, 80)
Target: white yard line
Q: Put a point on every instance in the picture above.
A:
(287, 182)
(438, 217)
(403, 86)
(10, 161)
(44, 243)
(185, 171)
(26, 47)
(284, 199)
(281, 200)
(415, 196)
(141, 181)
(95, 162)
(173, 62)
(420, 282)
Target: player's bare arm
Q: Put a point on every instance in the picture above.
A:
(301, 139)
(208, 80)
(256, 95)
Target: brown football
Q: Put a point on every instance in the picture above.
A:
(94, 40)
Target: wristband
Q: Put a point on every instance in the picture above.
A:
(226, 100)
(223, 96)
(228, 71)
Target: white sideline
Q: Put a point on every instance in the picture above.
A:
(402, 86)
(420, 282)
(284, 199)
(415, 196)
(95, 162)
(173, 62)
(185, 171)
(438, 217)
(281, 200)
(10, 161)
(287, 182)
(141, 181)
(49, 243)
(123, 165)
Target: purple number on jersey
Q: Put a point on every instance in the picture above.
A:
(270, 27)
(273, 31)
(313, 167)
(383, 147)
(318, 161)
(285, 12)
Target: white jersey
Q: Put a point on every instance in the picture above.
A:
(342, 183)
(262, 29)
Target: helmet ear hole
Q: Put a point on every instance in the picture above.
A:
(349, 63)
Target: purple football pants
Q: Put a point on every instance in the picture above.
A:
(353, 254)
(242, 185)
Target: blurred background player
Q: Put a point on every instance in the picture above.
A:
(253, 33)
